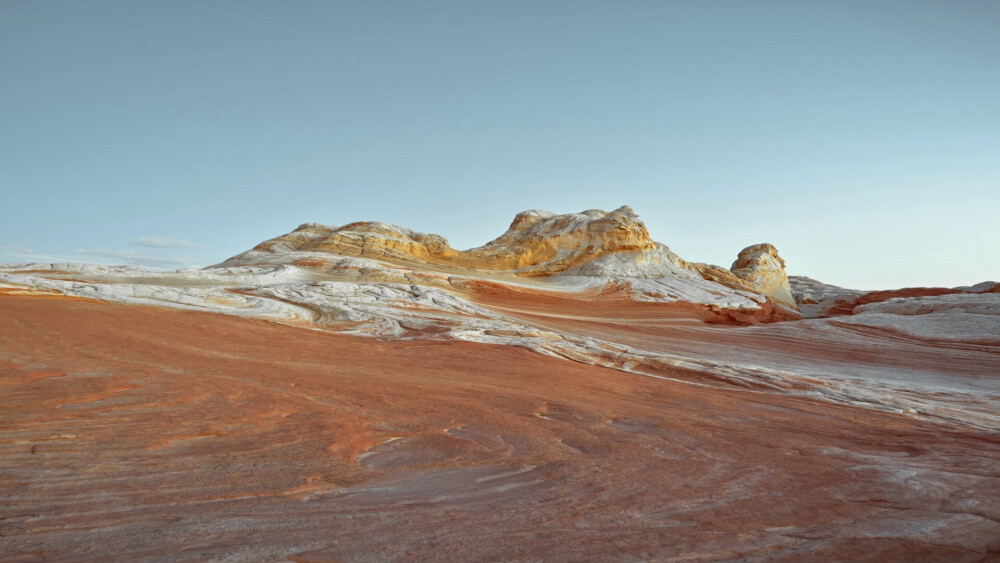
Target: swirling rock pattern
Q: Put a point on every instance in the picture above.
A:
(571, 390)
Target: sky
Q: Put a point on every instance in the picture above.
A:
(862, 138)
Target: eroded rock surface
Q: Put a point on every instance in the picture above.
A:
(817, 299)
(571, 383)
(134, 432)
(761, 267)
(558, 252)
(538, 243)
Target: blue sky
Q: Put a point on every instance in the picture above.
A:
(861, 138)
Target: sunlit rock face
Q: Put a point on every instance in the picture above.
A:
(361, 392)
(577, 250)
(538, 243)
(761, 267)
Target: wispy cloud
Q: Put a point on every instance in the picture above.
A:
(140, 258)
(21, 252)
(164, 242)
(101, 255)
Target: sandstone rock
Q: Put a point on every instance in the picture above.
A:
(461, 401)
(571, 252)
(722, 276)
(656, 262)
(981, 287)
(810, 291)
(579, 255)
(537, 243)
(816, 299)
(124, 423)
(966, 318)
(761, 267)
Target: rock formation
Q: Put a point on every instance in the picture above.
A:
(538, 243)
(761, 267)
(817, 299)
(608, 247)
(570, 383)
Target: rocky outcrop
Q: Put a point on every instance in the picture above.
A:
(762, 268)
(605, 247)
(551, 368)
(968, 319)
(722, 276)
(817, 299)
(537, 243)
(758, 268)
(313, 271)
(542, 243)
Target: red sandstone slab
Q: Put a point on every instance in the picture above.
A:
(136, 432)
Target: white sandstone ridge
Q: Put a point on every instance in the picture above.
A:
(537, 244)
(540, 246)
(816, 299)
(384, 281)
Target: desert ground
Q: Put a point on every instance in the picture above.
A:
(137, 432)
(571, 391)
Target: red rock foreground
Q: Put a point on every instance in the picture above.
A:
(133, 432)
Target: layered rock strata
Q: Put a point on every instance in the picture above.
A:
(571, 362)
(761, 267)
(378, 280)
(537, 243)
(570, 252)
(141, 433)
(816, 299)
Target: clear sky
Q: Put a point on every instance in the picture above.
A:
(860, 138)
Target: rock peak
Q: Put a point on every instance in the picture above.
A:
(760, 266)
(537, 243)
(612, 245)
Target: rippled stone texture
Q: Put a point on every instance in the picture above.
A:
(538, 243)
(571, 390)
(133, 432)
